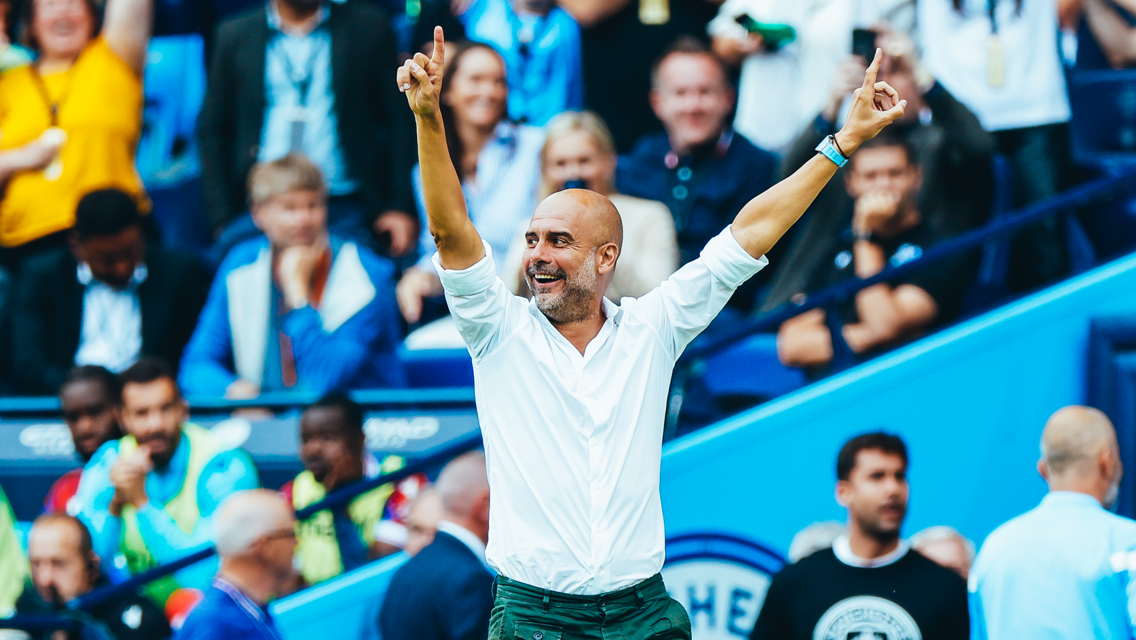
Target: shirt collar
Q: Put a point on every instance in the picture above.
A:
(466, 537)
(87, 279)
(1070, 499)
(276, 24)
(842, 547)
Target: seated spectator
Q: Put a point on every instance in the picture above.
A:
(815, 537)
(445, 592)
(256, 540)
(578, 151)
(298, 310)
(393, 531)
(1063, 569)
(948, 142)
(869, 584)
(947, 547)
(107, 301)
(332, 444)
(1110, 24)
(497, 161)
(701, 169)
(148, 498)
(13, 564)
(313, 77)
(65, 567)
(88, 399)
(71, 120)
(1001, 60)
(885, 228)
(540, 43)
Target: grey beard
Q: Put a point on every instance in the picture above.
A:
(574, 303)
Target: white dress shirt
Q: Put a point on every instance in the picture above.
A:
(111, 334)
(573, 441)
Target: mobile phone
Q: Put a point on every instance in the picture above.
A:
(864, 44)
(575, 184)
(773, 35)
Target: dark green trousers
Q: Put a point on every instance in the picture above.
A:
(642, 612)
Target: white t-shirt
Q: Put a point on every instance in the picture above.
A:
(956, 49)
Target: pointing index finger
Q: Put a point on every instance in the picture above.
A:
(439, 55)
(873, 69)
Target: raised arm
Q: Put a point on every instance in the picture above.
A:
(766, 218)
(126, 28)
(459, 245)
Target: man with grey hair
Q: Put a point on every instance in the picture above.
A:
(1064, 569)
(946, 547)
(256, 539)
(445, 592)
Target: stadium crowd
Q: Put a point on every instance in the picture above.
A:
(319, 272)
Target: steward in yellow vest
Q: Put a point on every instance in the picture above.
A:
(148, 498)
(332, 445)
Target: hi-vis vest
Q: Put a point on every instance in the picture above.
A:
(317, 548)
(203, 447)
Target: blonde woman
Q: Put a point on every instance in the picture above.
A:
(578, 151)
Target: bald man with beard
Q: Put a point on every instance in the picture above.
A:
(1064, 569)
(572, 388)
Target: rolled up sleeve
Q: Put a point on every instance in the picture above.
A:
(479, 302)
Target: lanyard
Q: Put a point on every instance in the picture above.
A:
(991, 7)
(258, 617)
(304, 84)
(45, 95)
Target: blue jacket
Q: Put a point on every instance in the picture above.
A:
(443, 593)
(350, 342)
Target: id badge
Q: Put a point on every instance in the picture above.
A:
(297, 118)
(58, 137)
(654, 11)
(996, 62)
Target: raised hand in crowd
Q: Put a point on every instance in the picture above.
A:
(846, 79)
(294, 271)
(128, 476)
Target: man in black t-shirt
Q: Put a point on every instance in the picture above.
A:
(885, 228)
(870, 585)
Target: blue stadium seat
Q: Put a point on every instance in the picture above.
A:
(751, 369)
(174, 87)
(1104, 119)
(437, 368)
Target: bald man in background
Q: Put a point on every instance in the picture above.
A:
(445, 591)
(1064, 569)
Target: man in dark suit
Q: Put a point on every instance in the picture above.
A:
(314, 77)
(446, 591)
(107, 301)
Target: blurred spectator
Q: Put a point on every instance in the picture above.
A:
(445, 592)
(1110, 24)
(148, 499)
(65, 567)
(107, 301)
(13, 564)
(815, 537)
(256, 540)
(72, 120)
(701, 169)
(11, 55)
(948, 142)
(392, 532)
(885, 228)
(497, 161)
(313, 77)
(867, 585)
(88, 398)
(422, 521)
(1001, 60)
(578, 150)
(1064, 569)
(332, 446)
(540, 43)
(947, 547)
(620, 41)
(298, 310)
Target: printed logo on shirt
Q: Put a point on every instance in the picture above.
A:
(866, 618)
(721, 580)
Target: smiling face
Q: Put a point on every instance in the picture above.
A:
(571, 248)
(62, 28)
(477, 90)
(692, 98)
(876, 493)
(576, 156)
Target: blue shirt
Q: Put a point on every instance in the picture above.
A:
(224, 613)
(704, 189)
(228, 472)
(292, 65)
(503, 193)
(542, 57)
(1062, 570)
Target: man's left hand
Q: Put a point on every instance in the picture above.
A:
(400, 227)
(875, 105)
(128, 476)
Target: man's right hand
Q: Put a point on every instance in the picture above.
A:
(874, 212)
(35, 155)
(421, 78)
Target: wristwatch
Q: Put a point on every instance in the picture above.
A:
(828, 148)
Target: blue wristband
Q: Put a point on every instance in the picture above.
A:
(827, 148)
